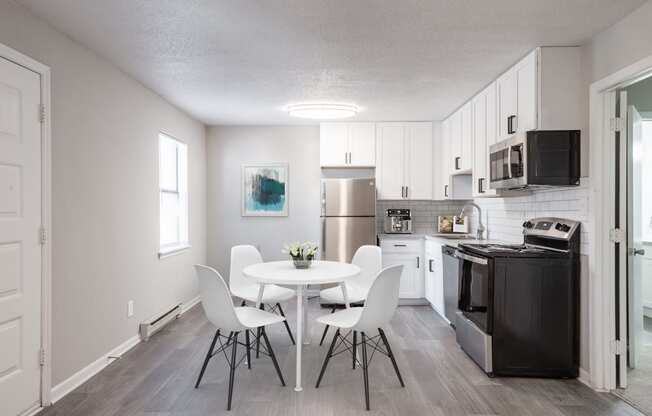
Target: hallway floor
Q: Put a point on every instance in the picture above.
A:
(156, 378)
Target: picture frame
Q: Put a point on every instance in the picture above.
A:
(265, 189)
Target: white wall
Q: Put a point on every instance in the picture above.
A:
(105, 196)
(227, 149)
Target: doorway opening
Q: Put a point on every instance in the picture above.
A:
(633, 206)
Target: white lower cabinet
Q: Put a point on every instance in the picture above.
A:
(408, 253)
(434, 276)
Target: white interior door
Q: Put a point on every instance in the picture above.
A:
(20, 250)
(635, 247)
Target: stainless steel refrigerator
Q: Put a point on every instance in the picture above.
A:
(348, 216)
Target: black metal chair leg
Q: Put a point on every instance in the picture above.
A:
(244, 303)
(247, 340)
(232, 372)
(272, 356)
(287, 326)
(208, 357)
(355, 346)
(328, 357)
(262, 307)
(391, 356)
(323, 335)
(365, 367)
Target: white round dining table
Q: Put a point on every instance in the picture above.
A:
(284, 273)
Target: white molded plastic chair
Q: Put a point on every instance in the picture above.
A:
(377, 311)
(369, 260)
(243, 288)
(218, 306)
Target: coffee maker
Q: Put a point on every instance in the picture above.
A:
(397, 221)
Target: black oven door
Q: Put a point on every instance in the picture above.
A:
(475, 289)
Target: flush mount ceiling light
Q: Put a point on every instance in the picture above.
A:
(322, 110)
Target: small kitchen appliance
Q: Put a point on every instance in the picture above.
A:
(519, 303)
(539, 158)
(397, 221)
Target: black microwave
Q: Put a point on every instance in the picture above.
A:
(538, 158)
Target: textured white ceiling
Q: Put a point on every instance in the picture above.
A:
(242, 61)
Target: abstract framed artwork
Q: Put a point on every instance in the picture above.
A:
(265, 190)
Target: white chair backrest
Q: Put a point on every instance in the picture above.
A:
(216, 299)
(382, 300)
(369, 260)
(241, 257)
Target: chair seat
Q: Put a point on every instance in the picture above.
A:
(346, 318)
(253, 317)
(334, 294)
(271, 295)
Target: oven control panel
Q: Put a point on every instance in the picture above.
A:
(550, 227)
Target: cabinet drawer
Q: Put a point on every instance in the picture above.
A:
(401, 246)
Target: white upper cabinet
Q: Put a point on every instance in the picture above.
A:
(419, 163)
(404, 168)
(461, 140)
(390, 172)
(362, 144)
(543, 91)
(465, 162)
(484, 135)
(441, 172)
(347, 144)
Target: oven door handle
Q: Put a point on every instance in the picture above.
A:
(477, 260)
(509, 162)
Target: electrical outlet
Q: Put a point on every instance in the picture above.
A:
(130, 308)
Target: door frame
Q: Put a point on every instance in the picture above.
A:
(602, 263)
(46, 214)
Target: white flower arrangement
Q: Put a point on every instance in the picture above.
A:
(301, 251)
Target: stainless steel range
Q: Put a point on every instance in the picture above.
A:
(519, 303)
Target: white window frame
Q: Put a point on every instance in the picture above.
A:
(182, 243)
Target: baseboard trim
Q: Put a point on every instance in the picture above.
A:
(186, 306)
(585, 378)
(62, 389)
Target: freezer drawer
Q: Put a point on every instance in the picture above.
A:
(342, 236)
(348, 197)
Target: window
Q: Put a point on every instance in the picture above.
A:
(173, 187)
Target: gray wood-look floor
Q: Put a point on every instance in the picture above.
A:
(156, 379)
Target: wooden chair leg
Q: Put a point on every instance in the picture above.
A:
(208, 358)
(287, 326)
(248, 342)
(262, 307)
(232, 372)
(355, 347)
(327, 359)
(365, 367)
(272, 356)
(391, 355)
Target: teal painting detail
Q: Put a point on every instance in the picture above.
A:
(265, 190)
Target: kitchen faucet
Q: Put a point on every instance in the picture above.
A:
(481, 229)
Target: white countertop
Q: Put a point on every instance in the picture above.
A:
(446, 239)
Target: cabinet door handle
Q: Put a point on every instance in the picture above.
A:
(430, 265)
(402, 191)
(510, 124)
(480, 189)
(406, 192)
(400, 245)
(346, 158)
(418, 265)
(446, 191)
(457, 163)
(349, 158)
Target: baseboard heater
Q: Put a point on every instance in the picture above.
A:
(157, 322)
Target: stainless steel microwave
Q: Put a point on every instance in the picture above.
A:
(537, 158)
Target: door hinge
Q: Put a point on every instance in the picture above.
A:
(41, 359)
(43, 235)
(41, 113)
(616, 235)
(616, 124)
(617, 347)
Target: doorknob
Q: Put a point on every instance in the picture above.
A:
(636, 252)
